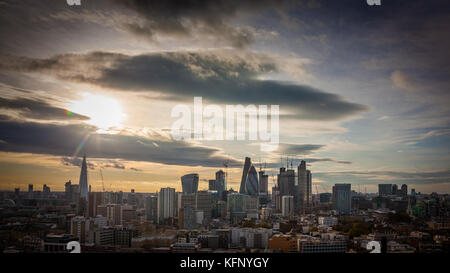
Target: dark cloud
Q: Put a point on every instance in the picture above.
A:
(38, 109)
(298, 149)
(390, 177)
(184, 18)
(63, 140)
(115, 165)
(76, 161)
(296, 161)
(202, 21)
(182, 75)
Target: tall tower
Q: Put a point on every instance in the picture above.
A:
(189, 183)
(83, 202)
(342, 199)
(302, 185)
(83, 180)
(247, 165)
(251, 185)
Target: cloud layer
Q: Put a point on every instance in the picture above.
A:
(183, 75)
(70, 140)
(38, 109)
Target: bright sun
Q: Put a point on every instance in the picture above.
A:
(104, 112)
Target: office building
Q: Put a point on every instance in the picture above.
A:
(236, 204)
(404, 190)
(251, 185)
(83, 227)
(384, 189)
(342, 199)
(247, 165)
(325, 197)
(304, 186)
(276, 198)
(112, 212)
(328, 221)
(287, 206)
(57, 243)
(95, 200)
(221, 182)
(204, 203)
(394, 189)
(166, 204)
(189, 183)
(263, 186)
(321, 246)
(286, 183)
(151, 208)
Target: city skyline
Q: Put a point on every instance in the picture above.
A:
(360, 104)
(302, 183)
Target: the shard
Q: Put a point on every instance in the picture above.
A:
(84, 181)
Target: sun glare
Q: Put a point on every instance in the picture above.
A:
(104, 112)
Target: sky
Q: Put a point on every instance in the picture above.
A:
(363, 91)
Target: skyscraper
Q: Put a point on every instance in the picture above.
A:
(95, 199)
(263, 182)
(247, 164)
(83, 186)
(394, 189)
(203, 202)
(83, 181)
(287, 205)
(189, 183)
(308, 188)
(151, 208)
(384, 189)
(404, 190)
(166, 204)
(220, 184)
(342, 199)
(286, 182)
(304, 186)
(251, 185)
(220, 179)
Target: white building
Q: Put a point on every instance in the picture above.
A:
(250, 237)
(166, 204)
(328, 221)
(287, 205)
